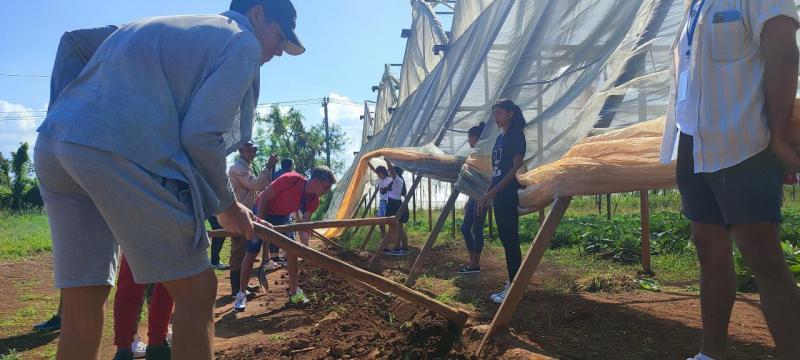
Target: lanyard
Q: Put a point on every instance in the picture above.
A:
(693, 24)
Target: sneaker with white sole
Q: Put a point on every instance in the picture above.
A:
(169, 335)
(498, 297)
(221, 266)
(138, 347)
(240, 303)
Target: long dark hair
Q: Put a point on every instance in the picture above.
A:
(517, 120)
(477, 130)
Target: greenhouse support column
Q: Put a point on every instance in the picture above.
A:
(430, 207)
(414, 201)
(608, 206)
(525, 273)
(364, 213)
(451, 202)
(645, 218)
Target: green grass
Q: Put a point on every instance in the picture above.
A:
(23, 235)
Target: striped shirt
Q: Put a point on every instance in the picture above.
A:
(725, 83)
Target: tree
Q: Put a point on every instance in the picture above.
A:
(286, 136)
(20, 165)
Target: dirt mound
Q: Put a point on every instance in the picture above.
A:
(350, 322)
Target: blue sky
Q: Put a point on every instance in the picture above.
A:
(348, 42)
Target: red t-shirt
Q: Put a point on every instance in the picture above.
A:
(290, 195)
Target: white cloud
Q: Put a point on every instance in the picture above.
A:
(18, 124)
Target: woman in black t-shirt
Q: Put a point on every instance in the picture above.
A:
(507, 156)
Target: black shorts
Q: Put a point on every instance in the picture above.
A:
(393, 207)
(746, 193)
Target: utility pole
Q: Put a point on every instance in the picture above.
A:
(325, 101)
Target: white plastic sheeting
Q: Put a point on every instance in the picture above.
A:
(387, 100)
(419, 59)
(465, 13)
(572, 66)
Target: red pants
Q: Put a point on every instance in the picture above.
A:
(127, 307)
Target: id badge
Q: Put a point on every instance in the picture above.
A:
(683, 85)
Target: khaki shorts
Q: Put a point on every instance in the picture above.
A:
(97, 202)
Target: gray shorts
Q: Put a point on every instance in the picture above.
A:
(97, 202)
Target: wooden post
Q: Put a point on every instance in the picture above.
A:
(364, 213)
(608, 206)
(451, 202)
(325, 239)
(392, 234)
(389, 220)
(457, 316)
(529, 265)
(367, 238)
(454, 218)
(541, 216)
(414, 200)
(430, 208)
(644, 203)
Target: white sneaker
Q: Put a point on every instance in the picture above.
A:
(169, 335)
(221, 266)
(138, 347)
(498, 297)
(240, 304)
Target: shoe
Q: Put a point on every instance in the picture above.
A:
(498, 297)
(280, 260)
(169, 335)
(388, 251)
(299, 297)
(138, 347)
(158, 352)
(123, 354)
(402, 251)
(700, 356)
(240, 304)
(466, 269)
(51, 324)
(252, 289)
(272, 265)
(221, 266)
(250, 295)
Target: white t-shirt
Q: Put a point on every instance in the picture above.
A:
(396, 192)
(384, 184)
(686, 100)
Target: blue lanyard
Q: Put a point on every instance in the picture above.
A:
(693, 24)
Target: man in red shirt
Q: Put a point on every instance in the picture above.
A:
(288, 194)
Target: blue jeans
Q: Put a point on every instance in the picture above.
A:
(507, 219)
(254, 245)
(472, 227)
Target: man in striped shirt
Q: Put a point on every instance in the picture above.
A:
(734, 79)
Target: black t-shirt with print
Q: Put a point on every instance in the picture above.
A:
(505, 148)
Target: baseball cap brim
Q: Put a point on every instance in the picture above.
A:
(293, 47)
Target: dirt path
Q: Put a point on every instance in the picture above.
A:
(346, 322)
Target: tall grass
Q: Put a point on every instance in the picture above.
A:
(23, 234)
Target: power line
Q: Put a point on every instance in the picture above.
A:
(25, 75)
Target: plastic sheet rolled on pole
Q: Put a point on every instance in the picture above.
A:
(621, 160)
(352, 193)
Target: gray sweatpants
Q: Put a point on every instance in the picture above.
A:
(97, 202)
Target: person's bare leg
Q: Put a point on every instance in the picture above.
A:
(247, 269)
(82, 322)
(717, 285)
(293, 269)
(403, 237)
(780, 297)
(193, 320)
